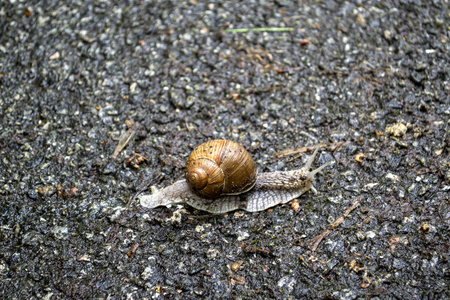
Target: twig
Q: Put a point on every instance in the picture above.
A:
(125, 139)
(316, 241)
(287, 152)
(267, 29)
(269, 89)
(255, 249)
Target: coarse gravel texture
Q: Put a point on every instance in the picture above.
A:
(370, 79)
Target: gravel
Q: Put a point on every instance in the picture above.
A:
(370, 79)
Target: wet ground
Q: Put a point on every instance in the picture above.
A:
(369, 79)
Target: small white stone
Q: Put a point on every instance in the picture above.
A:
(370, 185)
(54, 56)
(393, 177)
(212, 253)
(133, 87)
(370, 234)
(242, 235)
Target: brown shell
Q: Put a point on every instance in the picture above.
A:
(220, 167)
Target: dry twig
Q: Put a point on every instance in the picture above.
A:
(125, 139)
(316, 241)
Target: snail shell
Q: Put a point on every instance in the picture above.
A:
(220, 167)
(270, 189)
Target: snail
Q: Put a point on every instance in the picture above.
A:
(221, 176)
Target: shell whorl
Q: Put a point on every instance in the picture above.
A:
(220, 167)
(198, 178)
(205, 177)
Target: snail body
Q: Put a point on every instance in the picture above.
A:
(267, 190)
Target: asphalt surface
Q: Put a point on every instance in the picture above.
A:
(368, 79)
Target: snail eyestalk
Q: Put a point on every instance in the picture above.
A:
(314, 172)
(311, 158)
